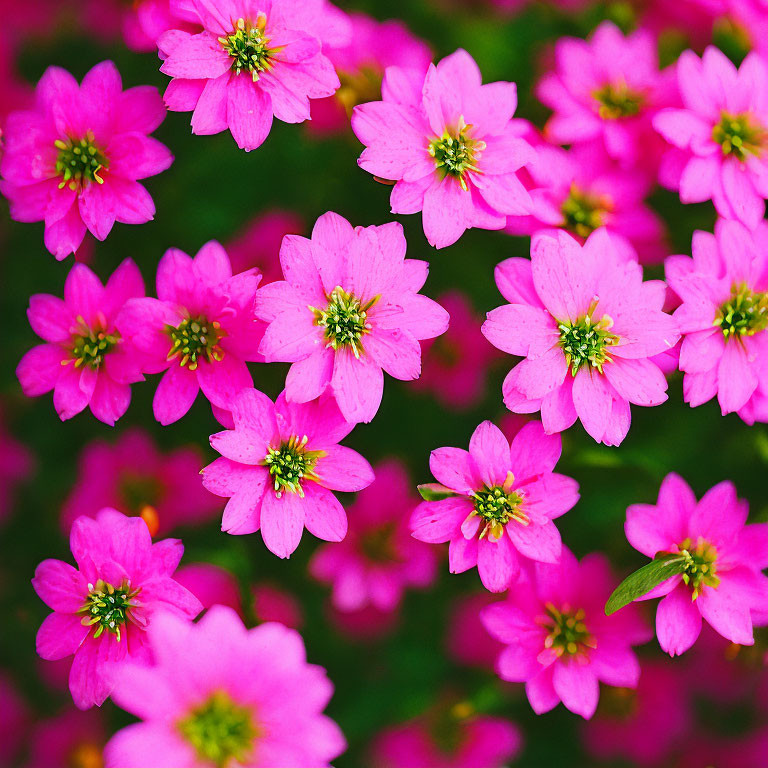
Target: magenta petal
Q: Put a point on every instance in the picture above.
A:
(592, 400)
(175, 394)
(455, 469)
(496, 564)
(489, 450)
(197, 57)
(358, 385)
(282, 521)
(342, 469)
(538, 542)
(462, 554)
(678, 622)
(40, 369)
(242, 514)
(726, 608)
(60, 586)
(576, 685)
(541, 692)
(439, 521)
(249, 112)
(60, 635)
(324, 515)
(89, 681)
(149, 743)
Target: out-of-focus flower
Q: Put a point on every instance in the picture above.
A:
(211, 585)
(200, 330)
(587, 325)
(722, 581)
(271, 603)
(16, 463)
(449, 144)
(378, 559)
(14, 720)
(74, 161)
(16, 93)
(692, 20)
(559, 641)
(279, 467)
(608, 88)
(221, 694)
(467, 640)
(366, 625)
(360, 64)
(724, 318)
(135, 478)
(254, 60)
(102, 609)
(503, 501)
(86, 360)
(73, 739)
(348, 309)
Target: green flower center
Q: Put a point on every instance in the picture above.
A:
(737, 135)
(108, 607)
(195, 339)
(345, 320)
(79, 161)
(220, 731)
(249, 47)
(700, 565)
(585, 342)
(617, 100)
(291, 464)
(583, 213)
(90, 345)
(496, 506)
(745, 314)
(456, 155)
(567, 633)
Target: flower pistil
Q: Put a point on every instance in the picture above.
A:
(108, 607)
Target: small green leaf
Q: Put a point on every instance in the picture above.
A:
(642, 581)
(436, 492)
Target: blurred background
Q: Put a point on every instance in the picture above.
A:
(431, 652)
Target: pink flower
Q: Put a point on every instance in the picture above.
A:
(348, 308)
(360, 64)
(222, 694)
(608, 88)
(14, 720)
(86, 360)
(449, 143)
(559, 641)
(720, 136)
(378, 560)
(582, 189)
(134, 477)
(723, 580)
(74, 161)
(199, 330)
(72, 738)
(279, 467)
(498, 489)
(587, 325)
(724, 317)
(16, 464)
(254, 60)
(211, 585)
(103, 607)
(456, 365)
(467, 641)
(272, 603)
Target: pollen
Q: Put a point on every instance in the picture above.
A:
(497, 506)
(79, 161)
(291, 464)
(587, 342)
(89, 346)
(195, 339)
(744, 314)
(248, 45)
(345, 320)
(456, 153)
(108, 608)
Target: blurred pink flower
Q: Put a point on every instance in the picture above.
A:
(254, 60)
(14, 720)
(134, 477)
(200, 330)
(608, 88)
(211, 585)
(72, 739)
(694, 20)
(16, 464)
(365, 625)
(467, 640)
(16, 93)
(222, 694)
(587, 325)
(272, 603)
(719, 137)
(378, 559)
(279, 466)
(497, 489)
(724, 317)
(723, 580)
(348, 309)
(455, 365)
(449, 144)
(74, 161)
(360, 64)
(559, 641)
(102, 609)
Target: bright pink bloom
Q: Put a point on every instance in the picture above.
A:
(222, 694)
(14, 720)
(724, 317)
(16, 463)
(456, 365)
(86, 360)
(360, 64)
(559, 641)
(279, 467)
(103, 608)
(467, 640)
(74, 161)
(723, 581)
(134, 477)
(271, 603)
(72, 738)
(582, 189)
(211, 585)
(720, 136)
(254, 60)
(587, 325)
(199, 330)
(471, 741)
(379, 559)
(506, 497)
(451, 146)
(608, 88)
(349, 307)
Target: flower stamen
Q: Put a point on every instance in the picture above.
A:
(80, 161)
(583, 213)
(737, 135)
(744, 314)
(584, 342)
(108, 607)
(345, 320)
(568, 634)
(457, 155)
(290, 464)
(249, 48)
(91, 345)
(195, 339)
(700, 565)
(617, 100)
(496, 506)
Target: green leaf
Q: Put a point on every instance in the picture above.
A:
(644, 580)
(436, 492)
